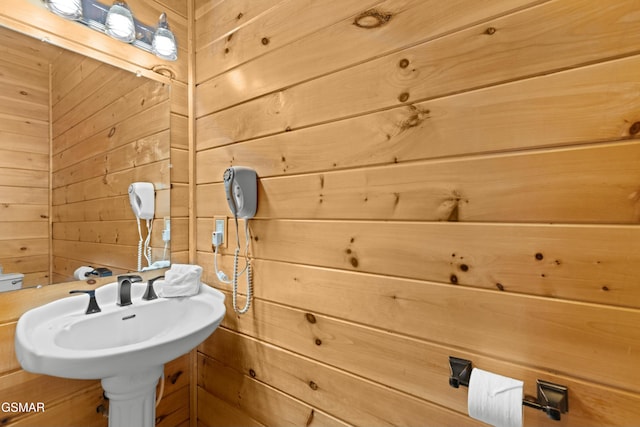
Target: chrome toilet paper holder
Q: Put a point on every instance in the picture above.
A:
(552, 399)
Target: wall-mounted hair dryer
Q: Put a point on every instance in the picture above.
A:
(142, 199)
(142, 196)
(241, 187)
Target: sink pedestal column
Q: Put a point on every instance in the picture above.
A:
(132, 398)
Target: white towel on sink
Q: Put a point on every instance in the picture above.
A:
(181, 280)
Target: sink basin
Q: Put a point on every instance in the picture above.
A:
(59, 339)
(119, 344)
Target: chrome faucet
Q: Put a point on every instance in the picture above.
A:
(124, 288)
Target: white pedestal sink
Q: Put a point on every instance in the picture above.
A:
(125, 347)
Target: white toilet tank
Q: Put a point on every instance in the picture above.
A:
(10, 281)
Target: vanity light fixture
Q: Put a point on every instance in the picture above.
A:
(70, 9)
(164, 43)
(117, 21)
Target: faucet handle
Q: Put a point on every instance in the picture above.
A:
(150, 293)
(93, 304)
(133, 278)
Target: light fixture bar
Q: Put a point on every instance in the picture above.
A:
(94, 15)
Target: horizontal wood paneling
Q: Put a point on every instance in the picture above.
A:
(216, 18)
(460, 179)
(89, 164)
(174, 409)
(133, 99)
(78, 410)
(346, 396)
(578, 262)
(435, 69)
(261, 402)
(340, 309)
(76, 77)
(134, 128)
(417, 367)
(405, 22)
(143, 151)
(211, 408)
(19, 386)
(341, 392)
(433, 129)
(275, 29)
(566, 184)
(28, 53)
(24, 159)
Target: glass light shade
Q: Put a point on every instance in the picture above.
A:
(70, 9)
(164, 42)
(119, 23)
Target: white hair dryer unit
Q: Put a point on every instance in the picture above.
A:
(241, 187)
(142, 197)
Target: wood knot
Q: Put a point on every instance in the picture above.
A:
(635, 128)
(265, 41)
(499, 286)
(313, 385)
(252, 373)
(417, 115)
(24, 93)
(453, 279)
(310, 418)
(174, 378)
(240, 15)
(404, 63)
(112, 132)
(539, 256)
(403, 97)
(490, 31)
(354, 262)
(464, 267)
(372, 18)
(310, 318)
(318, 341)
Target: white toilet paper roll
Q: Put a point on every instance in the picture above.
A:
(495, 399)
(81, 272)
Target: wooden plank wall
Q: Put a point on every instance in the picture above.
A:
(436, 178)
(109, 128)
(24, 160)
(70, 402)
